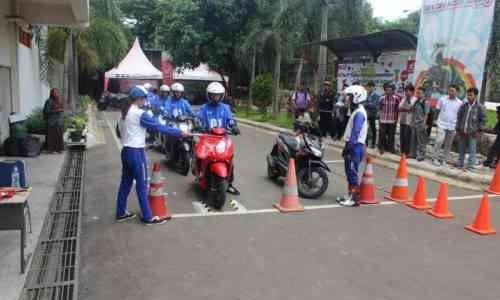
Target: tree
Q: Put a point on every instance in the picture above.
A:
(263, 91)
(196, 31)
(144, 17)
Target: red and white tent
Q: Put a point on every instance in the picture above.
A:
(135, 65)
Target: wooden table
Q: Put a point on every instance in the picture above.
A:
(12, 217)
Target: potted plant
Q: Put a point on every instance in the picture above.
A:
(78, 129)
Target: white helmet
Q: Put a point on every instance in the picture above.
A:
(359, 94)
(215, 88)
(177, 87)
(164, 88)
(147, 86)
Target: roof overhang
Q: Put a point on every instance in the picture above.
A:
(373, 44)
(71, 13)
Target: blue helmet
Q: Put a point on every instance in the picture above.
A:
(138, 92)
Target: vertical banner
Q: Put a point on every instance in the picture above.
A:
(452, 44)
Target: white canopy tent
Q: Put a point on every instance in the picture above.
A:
(135, 65)
(201, 73)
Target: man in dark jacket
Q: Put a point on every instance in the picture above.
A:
(371, 106)
(494, 153)
(325, 108)
(471, 120)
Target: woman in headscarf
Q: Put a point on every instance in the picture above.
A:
(53, 115)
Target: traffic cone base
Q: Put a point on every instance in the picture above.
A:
(482, 223)
(419, 207)
(158, 207)
(290, 200)
(481, 232)
(448, 215)
(367, 189)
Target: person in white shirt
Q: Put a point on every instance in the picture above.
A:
(447, 107)
(135, 121)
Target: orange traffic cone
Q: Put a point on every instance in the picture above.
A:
(495, 183)
(400, 192)
(157, 199)
(482, 223)
(420, 198)
(290, 200)
(440, 210)
(367, 190)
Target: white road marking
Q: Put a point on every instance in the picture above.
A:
(113, 133)
(334, 161)
(199, 207)
(307, 208)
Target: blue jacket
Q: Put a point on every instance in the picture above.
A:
(216, 116)
(372, 105)
(176, 108)
(152, 100)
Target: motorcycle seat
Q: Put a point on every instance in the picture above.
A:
(290, 142)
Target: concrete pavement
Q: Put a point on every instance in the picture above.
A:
(377, 252)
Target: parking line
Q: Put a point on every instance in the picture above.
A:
(334, 161)
(307, 208)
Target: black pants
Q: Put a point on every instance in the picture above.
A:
(386, 136)
(494, 153)
(372, 123)
(338, 129)
(405, 135)
(326, 124)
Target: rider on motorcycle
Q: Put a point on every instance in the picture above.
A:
(355, 140)
(177, 106)
(163, 99)
(216, 114)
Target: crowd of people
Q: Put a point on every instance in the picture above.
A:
(415, 115)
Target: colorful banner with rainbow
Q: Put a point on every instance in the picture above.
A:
(452, 44)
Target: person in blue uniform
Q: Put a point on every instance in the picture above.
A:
(177, 106)
(135, 121)
(164, 98)
(355, 139)
(216, 114)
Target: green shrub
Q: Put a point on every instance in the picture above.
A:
(83, 103)
(262, 91)
(35, 122)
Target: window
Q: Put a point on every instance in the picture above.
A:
(25, 38)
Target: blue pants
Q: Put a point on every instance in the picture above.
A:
(134, 167)
(352, 160)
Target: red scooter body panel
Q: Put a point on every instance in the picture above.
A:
(214, 155)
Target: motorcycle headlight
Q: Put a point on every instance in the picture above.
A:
(221, 147)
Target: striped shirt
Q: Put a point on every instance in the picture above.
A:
(389, 108)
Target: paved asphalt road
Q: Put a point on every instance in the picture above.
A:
(376, 252)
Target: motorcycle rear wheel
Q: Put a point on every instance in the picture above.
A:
(184, 163)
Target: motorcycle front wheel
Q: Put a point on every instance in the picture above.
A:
(184, 163)
(312, 185)
(219, 194)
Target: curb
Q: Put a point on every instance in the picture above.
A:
(453, 177)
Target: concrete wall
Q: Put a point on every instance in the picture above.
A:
(32, 91)
(21, 89)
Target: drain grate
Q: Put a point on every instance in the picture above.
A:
(53, 274)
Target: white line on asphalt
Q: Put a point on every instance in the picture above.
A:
(113, 133)
(334, 161)
(307, 208)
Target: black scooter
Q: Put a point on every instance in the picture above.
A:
(307, 150)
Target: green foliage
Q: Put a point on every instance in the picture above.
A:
(35, 122)
(106, 9)
(262, 91)
(147, 17)
(107, 40)
(56, 43)
(281, 120)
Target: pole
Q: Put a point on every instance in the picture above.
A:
(323, 52)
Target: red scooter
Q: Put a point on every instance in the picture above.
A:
(213, 164)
